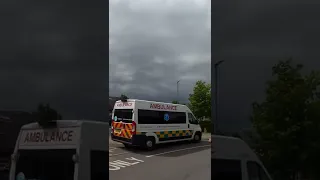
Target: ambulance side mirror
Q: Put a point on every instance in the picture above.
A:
(75, 158)
(14, 157)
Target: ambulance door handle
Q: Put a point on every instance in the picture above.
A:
(188, 125)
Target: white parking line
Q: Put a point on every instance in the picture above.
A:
(118, 164)
(177, 150)
(119, 154)
(111, 149)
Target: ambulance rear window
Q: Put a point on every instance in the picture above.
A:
(124, 115)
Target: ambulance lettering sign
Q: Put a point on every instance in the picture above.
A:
(54, 136)
(45, 137)
(125, 104)
(163, 107)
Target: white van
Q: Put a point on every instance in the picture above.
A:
(64, 150)
(232, 158)
(147, 123)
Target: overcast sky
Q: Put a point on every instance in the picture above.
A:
(55, 52)
(153, 44)
(252, 35)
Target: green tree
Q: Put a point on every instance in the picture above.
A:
(200, 100)
(45, 114)
(288, 121)
(175, 102)
(124, 97)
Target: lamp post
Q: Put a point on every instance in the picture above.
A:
(178, 90)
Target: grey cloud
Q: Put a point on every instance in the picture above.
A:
(56, 53)
(252, 36)
(152, 48)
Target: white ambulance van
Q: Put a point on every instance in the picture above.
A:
(64, 150)
(232, 158)
(147, 123)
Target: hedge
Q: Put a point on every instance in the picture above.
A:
(206, 125)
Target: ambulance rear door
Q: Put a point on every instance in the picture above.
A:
(122, 119)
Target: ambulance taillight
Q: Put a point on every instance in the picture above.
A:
(134, 126)
(112, 125)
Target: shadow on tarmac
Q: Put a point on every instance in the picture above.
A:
(167, 147)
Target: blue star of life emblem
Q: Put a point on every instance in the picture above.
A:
(166, 117)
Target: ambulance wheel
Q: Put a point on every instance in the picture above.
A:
(127, 145)
(150, 143)
(197, 137)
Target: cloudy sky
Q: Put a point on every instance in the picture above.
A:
(153, 44)
(252, 35)
(55, 52)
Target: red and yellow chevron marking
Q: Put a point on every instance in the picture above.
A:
(128, 126)
(123, 129)
(117, 125)
(123, 133)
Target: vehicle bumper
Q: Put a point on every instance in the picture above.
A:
(136, 140)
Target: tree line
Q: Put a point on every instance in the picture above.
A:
(287, 123)
(200, 100)
(46, 113)
(200, 104)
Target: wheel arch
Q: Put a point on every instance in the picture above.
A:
(152, 134)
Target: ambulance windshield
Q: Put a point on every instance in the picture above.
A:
(124, 115)
(45, 164)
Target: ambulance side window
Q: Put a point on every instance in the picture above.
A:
(192, 119)
(158, 117)
(256, 172)
(99, 164)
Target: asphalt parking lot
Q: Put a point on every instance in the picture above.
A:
(177, 161)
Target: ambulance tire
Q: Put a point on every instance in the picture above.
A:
(150, 143)
(197, 137)
(127, 145)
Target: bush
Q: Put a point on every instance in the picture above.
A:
(206, 125)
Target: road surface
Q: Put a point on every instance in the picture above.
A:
(179, 161)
